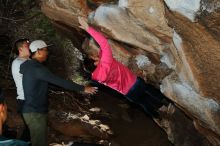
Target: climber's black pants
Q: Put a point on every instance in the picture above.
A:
(147, 96)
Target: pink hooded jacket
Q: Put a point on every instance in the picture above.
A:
(109, 71)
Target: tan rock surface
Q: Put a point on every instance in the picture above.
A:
(189, 50)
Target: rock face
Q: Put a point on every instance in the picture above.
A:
(181, 35)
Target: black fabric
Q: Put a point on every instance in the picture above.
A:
(2, 98)
(20, 104)
(147, 96)
(35, 83)
(25, 136)
(26, 132)
(9, 132)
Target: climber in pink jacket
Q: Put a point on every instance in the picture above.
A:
(115, 75)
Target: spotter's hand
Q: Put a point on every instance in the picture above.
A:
(90, 90)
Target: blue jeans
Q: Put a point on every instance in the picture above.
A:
(146, 96)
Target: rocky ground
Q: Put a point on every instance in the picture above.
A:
(105, 118)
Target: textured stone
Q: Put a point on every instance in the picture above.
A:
(147, 31)
(184, 55)
(187, 8)
(210, 17)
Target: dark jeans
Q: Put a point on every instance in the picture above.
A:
(25, 136)
(147, 96)
(20, 104)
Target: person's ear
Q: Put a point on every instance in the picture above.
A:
(20, 49)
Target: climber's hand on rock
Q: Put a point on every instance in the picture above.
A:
(83, 23)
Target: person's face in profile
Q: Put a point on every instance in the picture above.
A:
(94, 53)
(95, 57)
(24, 50)
(43, 54)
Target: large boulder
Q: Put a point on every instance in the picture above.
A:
(183, 37)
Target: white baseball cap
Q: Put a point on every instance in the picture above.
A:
(38, 44)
